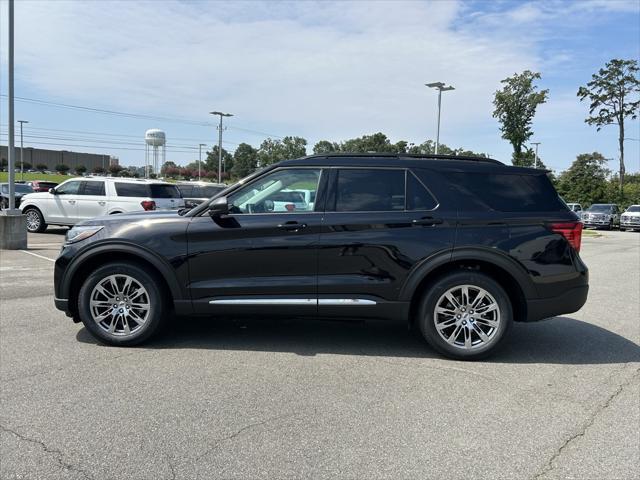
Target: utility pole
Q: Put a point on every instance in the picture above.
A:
(200, 157)
(536, 144)
(21, 122)
(220, 142)
(440, 86)
(13, 226)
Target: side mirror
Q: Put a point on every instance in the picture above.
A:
(218, 207)
(52, 191)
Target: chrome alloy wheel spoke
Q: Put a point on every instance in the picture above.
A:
(113, 307)
(467, 317)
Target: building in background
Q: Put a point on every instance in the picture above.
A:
(51, 158)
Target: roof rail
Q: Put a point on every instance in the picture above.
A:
(407, 155)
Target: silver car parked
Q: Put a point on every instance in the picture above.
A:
(602, 215)
(630, 219)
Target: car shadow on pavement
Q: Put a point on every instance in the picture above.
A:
(561, 340)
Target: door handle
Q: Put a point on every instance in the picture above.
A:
(292, 226)
(72, 202)
(426, 221)
(102, 202)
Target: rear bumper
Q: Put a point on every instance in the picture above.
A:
(568, 302)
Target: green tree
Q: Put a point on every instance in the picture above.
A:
(167, 165)
(25, 165)
(80, 169)
(325, 146)
(613, 96)
(99, 170)
(585, 181)
(115, 169)
(376, 143)
(272, 151)
(429, 147)
(62, 169)
(245, 160)
(41, 167)
(211, 161)
(515, 107)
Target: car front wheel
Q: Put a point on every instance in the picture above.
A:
(465, 315)
(121, 304)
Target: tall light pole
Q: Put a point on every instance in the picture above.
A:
(220, 142)
(200, 157)
(21, 122)
(11, 141)
(440, 86)
(536, 144)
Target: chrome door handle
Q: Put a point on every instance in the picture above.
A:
(72, 202)
(292, 226)
(102, 203)
(427, 221)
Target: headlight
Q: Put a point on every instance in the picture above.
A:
(77, 234)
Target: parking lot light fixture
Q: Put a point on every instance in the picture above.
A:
(221, 114)
(536, 157)
(441, 87)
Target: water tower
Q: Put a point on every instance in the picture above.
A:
(155, 150)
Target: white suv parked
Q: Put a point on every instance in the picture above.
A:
(80, 199)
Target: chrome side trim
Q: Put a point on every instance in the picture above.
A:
(265, 301)
(294, 301)
(345, 301)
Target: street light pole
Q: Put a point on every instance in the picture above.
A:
(220, 142)
(200, 157)
(440, 86)
(21, 122)
(536, 144)
(11, 141)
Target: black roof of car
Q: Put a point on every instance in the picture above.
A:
(455, 162)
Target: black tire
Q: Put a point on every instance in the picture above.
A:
(433, 295)
(34, 225)
(154, 294)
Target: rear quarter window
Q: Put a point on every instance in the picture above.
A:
(164, 191)
(132, 189)
(505, 192)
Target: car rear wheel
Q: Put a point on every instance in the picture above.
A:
(465, 315)
(35, 221)
(121, 304)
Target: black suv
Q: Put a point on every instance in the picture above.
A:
(459, 247)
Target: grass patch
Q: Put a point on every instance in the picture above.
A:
(52, 177)
(591, 233)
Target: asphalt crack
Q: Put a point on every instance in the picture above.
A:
(242, 430)
(59, 456)
(548, 467)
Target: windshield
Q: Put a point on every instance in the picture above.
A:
(634, 208)
(601, 208)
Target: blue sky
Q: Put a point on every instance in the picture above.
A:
(321, 70)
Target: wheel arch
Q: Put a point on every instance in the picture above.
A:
(94, 258)
(511, 277)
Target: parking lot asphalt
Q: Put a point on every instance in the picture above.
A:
(291, 399)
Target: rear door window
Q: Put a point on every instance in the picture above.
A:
(132, 189)
(418, 197)
(159, 190)
(187, 190)
(370, 190)
(92, 188)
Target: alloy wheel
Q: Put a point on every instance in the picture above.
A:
(120, 305)
(33, 220)
(467, 317)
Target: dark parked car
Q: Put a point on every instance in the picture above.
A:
(459, 247)
(42, 185)
(194, 193)
(21, 191)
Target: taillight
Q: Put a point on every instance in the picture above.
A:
(572, 231)
(148, 204)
